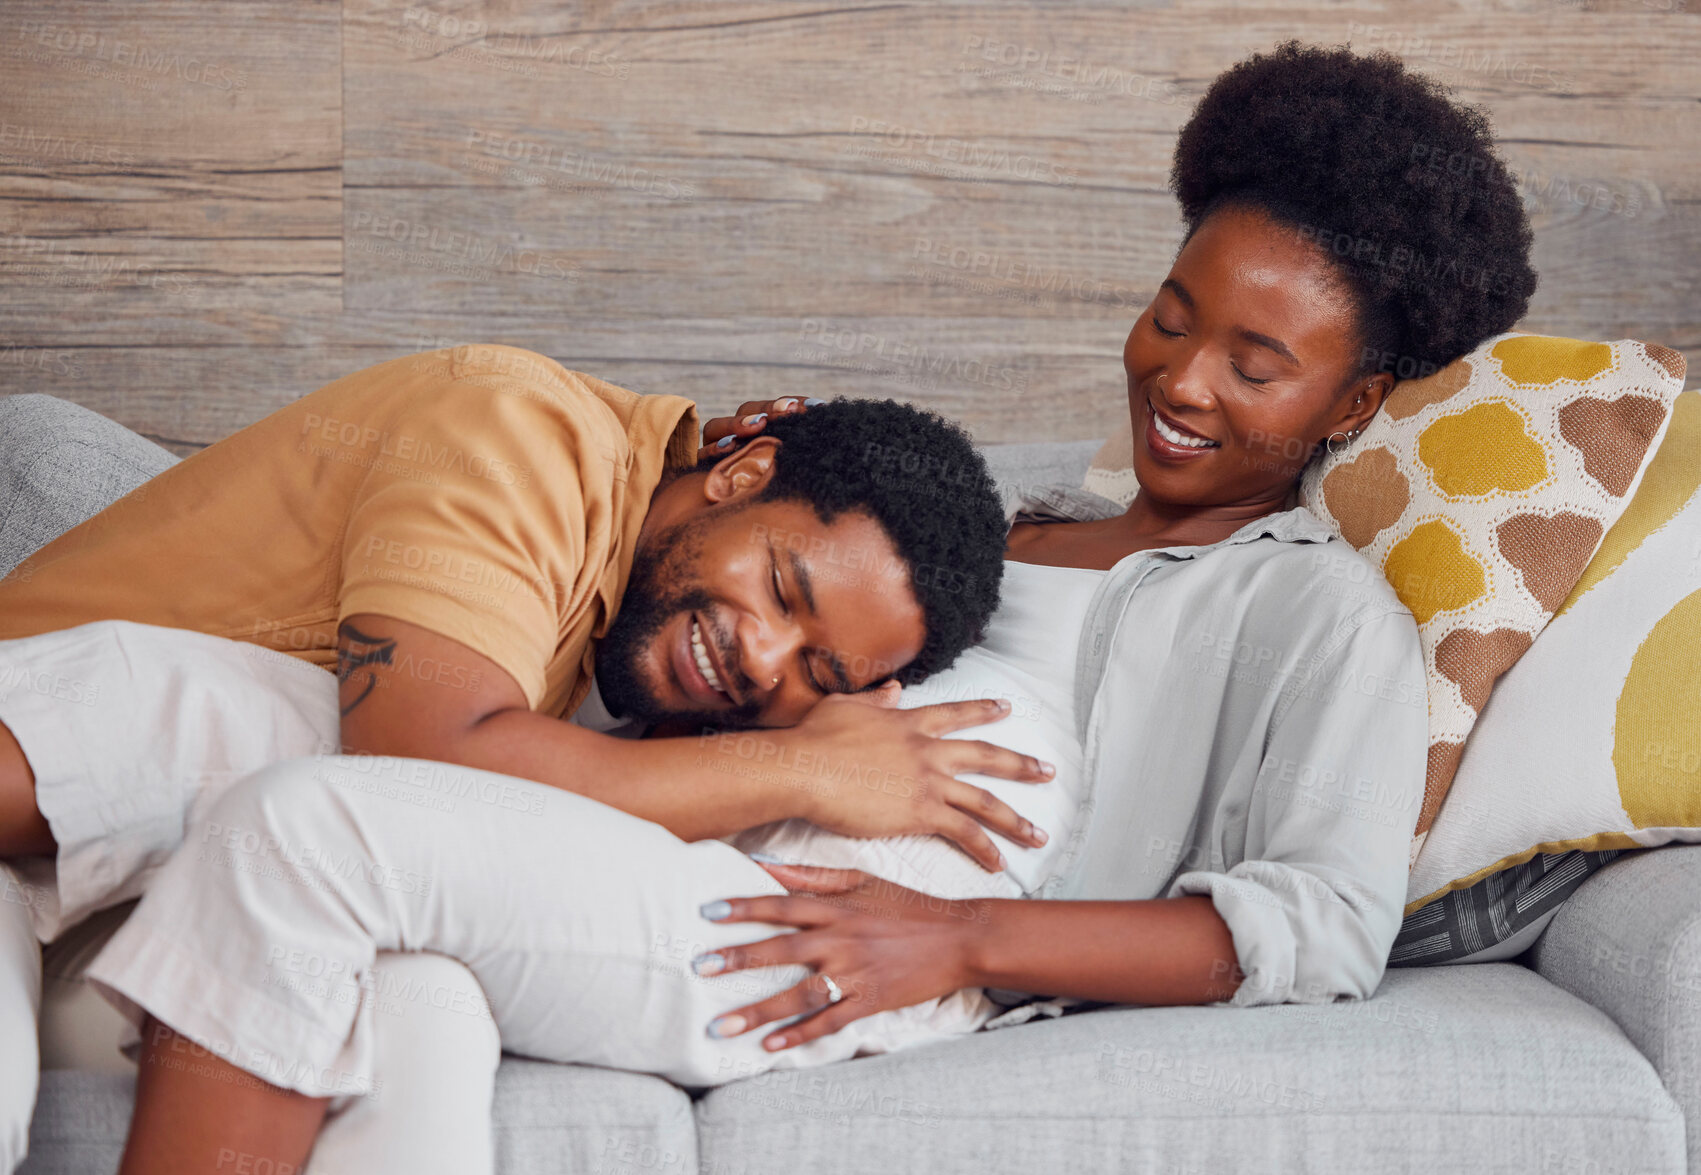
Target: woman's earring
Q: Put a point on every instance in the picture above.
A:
(1345, 437)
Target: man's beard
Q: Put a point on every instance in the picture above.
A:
(645, 610)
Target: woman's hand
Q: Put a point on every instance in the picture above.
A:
(869, 771)
(884, 945)
(722, 434)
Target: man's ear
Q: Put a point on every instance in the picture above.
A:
(744, 472)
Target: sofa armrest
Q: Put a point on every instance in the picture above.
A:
(1629, 942)
(61, 463)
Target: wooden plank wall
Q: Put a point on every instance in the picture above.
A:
(208, 210)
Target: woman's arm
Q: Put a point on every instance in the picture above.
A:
(1163, 951)
(889, 947)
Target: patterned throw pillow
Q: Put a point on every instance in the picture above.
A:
(1593, 740)
(1483, 491)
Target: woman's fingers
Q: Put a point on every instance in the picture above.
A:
(809, 996)
(994, 813)
(778, 909)
(722, 434)
(812, 878)
(823, 1023)
(778, 951)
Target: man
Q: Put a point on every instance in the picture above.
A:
(465, 534)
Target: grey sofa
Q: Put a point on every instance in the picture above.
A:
(1582, 1057)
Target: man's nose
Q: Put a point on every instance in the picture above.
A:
(767, 653)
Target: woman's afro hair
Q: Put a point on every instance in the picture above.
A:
(1396, 183)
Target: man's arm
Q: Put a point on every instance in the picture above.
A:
(407, 691)
(411, 692)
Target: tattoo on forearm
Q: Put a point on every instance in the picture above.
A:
(357, 650)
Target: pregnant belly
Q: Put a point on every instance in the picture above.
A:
(1039, 724)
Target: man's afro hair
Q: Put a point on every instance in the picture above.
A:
(1398, 184)
(920, 477)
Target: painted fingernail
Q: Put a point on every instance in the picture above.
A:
(785, 405)
(1046, 768)
(813, 401)
(766, 858)
(712, 964)
(774, 1043)
(756, 418)
(1041, 835)
(726, 1026)
(1002, 863)
(724, 443)
(715, 911)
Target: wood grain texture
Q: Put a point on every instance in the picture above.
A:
(170, 157)
(960, 204)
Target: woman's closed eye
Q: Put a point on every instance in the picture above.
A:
(1175, 334)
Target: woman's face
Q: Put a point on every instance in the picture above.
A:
(1250, 344)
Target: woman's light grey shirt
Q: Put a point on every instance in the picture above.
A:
(1255, 722)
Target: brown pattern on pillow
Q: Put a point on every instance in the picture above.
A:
(1550, 552)
(1377, 491)
(1412, 396)
(1470, 658)
(1612, 435)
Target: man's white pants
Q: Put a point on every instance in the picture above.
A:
(268, 936)
(436, 1068)
(126, 726)
(579, 921)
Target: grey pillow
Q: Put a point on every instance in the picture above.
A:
(61, 463)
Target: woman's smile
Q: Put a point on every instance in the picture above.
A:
(1168, 440)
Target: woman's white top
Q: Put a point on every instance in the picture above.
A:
(1255, 728)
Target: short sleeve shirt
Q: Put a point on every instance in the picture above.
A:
(483, 492)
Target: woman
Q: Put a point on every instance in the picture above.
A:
(1251, 713)
(1317, 223)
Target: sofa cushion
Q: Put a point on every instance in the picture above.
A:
(548, 1119)
(60, 464)
(1483, 1068)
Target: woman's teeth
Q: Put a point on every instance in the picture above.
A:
(702, 656)
(1180, 438)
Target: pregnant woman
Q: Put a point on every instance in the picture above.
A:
(1240, 709)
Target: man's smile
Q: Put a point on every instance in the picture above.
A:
(693, 667)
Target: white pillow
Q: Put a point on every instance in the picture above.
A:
(1040, 723)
